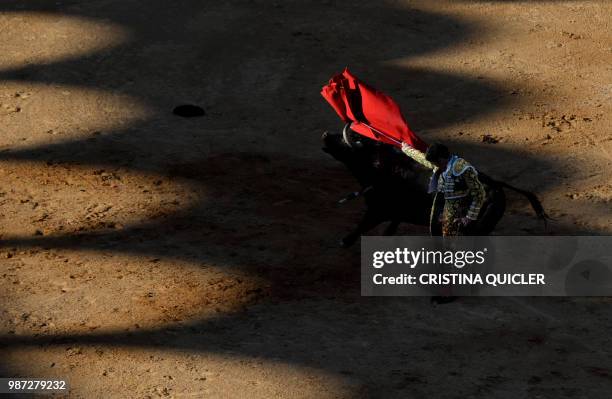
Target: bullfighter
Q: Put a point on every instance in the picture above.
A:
(459, 194)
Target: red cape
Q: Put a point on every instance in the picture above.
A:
(372, 113)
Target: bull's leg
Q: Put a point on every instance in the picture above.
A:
(391, 228)
(368, 222)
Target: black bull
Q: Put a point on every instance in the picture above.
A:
(394, 187)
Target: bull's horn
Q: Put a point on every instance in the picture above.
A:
(345, 134)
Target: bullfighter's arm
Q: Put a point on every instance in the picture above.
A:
(417, 156)
(476, 191)
(420, 158)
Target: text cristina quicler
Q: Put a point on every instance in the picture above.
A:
(462, 279)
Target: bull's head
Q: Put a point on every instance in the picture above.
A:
(335, 146)
(372, 162)
(350, 147)
(349, 143)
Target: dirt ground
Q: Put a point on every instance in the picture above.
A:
(144, 255)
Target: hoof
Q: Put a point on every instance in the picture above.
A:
(441, 300)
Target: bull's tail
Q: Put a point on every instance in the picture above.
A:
(531, 197)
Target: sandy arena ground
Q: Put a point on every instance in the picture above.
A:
(143, 255)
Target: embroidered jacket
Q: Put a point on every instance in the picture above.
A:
(458, 180)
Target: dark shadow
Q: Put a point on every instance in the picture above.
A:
(258, 70)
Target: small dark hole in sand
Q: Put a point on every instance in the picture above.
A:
(188, 111)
